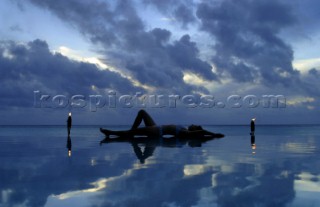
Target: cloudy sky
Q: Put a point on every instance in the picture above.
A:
(106, 49)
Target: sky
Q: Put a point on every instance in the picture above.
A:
(192, 61)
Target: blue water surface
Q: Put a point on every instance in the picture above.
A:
(40, 166)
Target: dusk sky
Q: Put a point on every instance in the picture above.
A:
(215, 48)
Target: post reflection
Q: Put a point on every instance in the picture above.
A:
(69, 145)
(151, 143)
(253, 143)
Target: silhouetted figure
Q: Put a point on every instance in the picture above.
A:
(152, 130)
(252, 125)
(69, 145)
(69, 123)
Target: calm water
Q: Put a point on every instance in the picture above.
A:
(283, 169)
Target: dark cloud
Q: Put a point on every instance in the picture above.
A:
(163, 6)
(308, 15)
(247, 46)
(26, 68)
(247, 43)
(16, 28)
(91, 17)
(184, 15)
(185, 52)
(149, 55)
(164, 64)
(311, 82)
(314, 72)
(181, 11)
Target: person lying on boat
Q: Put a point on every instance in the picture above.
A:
(151, 129)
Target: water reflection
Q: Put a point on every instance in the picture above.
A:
(69, 145)
(253, 143)
(151, 143)
(143, 155)
(273, 186)
(35, 171)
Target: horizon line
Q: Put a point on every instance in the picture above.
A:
(7, 125)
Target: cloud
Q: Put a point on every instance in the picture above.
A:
(16, 28)
(308, 16)
(232, 47)
(148, 55)
(32, 66)
(184, 15)
(306, 64)
(247, 46)
(181, 11)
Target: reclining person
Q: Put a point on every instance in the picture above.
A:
(151, 129)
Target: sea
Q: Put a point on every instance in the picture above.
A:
(42, 166)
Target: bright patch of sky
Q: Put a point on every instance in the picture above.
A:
(30, 22)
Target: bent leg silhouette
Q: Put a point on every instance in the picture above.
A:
(145, 117)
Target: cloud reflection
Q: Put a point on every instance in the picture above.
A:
(220, 173)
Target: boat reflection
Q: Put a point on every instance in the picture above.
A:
(151, 143)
